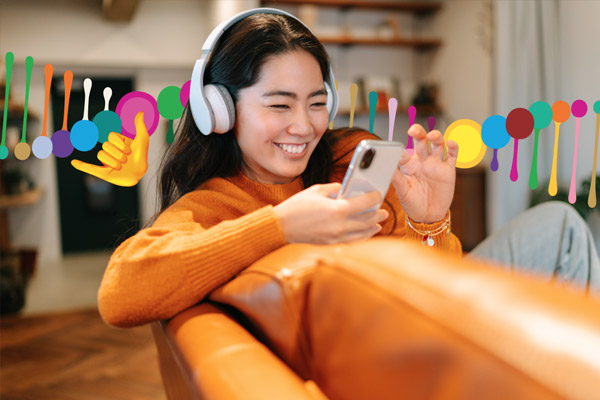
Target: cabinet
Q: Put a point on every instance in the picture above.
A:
(468, 207)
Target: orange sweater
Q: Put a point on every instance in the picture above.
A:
(208, 236)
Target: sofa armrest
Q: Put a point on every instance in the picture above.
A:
(205, 354)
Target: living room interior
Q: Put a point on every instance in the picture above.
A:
(452, 59)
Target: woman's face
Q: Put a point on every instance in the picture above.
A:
(281, 118)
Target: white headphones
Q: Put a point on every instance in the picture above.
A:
(212, 106)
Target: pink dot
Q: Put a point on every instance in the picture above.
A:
(579, 108)
(184, 95)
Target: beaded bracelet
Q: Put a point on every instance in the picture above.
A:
(428, 235)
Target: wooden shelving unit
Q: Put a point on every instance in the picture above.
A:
(22, 199)
(416, 7)
(420, 44)
(421, 110)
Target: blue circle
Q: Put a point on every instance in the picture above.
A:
(494, 133)
(3, 152)
(84, 135)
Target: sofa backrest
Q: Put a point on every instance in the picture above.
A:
(387, 318)
(388, 321)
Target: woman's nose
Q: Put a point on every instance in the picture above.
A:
(301, 124)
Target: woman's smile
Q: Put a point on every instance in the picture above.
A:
(293, 150)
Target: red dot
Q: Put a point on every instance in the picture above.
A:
(519, 123)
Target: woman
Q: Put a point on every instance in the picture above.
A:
(230, 199)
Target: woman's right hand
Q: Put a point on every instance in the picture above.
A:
(315, 216)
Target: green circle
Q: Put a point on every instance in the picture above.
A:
(169, 103)
(542, 114)
(107, 122)
(597, 107)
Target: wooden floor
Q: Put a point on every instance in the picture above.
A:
(75, 356)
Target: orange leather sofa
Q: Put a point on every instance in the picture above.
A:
(382, 319)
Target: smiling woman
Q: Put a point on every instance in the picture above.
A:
(231, 196)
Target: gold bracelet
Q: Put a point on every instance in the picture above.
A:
(428, 235)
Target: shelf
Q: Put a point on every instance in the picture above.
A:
(16, 111)
(421, 111)
(23, 199)
(411, 7)
(406, 42)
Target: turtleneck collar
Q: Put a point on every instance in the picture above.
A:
(274, 194)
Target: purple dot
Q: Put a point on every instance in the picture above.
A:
(61, 144)
(578, 108)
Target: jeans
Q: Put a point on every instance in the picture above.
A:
(550, 240)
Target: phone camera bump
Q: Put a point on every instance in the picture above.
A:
(367, 159)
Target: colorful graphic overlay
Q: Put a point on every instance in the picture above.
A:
(467, 134)
(125, 132)
(125, 160)
(542, 116)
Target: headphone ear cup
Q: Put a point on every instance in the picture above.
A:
(329, 103)
(221, 104)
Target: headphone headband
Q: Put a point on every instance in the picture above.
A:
(201, 107)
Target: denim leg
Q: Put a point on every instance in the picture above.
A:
(550, 240)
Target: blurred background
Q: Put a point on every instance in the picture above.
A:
(453, 59)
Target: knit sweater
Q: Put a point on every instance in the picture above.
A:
(211, 234)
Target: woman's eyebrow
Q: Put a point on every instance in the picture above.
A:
(292, 94)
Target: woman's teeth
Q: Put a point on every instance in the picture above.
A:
(292, 148)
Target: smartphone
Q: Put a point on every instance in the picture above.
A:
(371, 168)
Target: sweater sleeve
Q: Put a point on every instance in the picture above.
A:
(174, 264)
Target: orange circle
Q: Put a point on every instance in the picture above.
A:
(561, 111)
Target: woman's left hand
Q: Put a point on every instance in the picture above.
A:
(425, 181)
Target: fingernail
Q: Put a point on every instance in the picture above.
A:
(384, 214)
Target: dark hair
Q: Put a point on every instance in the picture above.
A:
(235, 63)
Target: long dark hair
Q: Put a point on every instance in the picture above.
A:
(235, 63)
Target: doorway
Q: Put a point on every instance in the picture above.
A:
(94, 214)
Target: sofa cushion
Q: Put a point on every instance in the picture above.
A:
(387, 320)
(271, 295)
